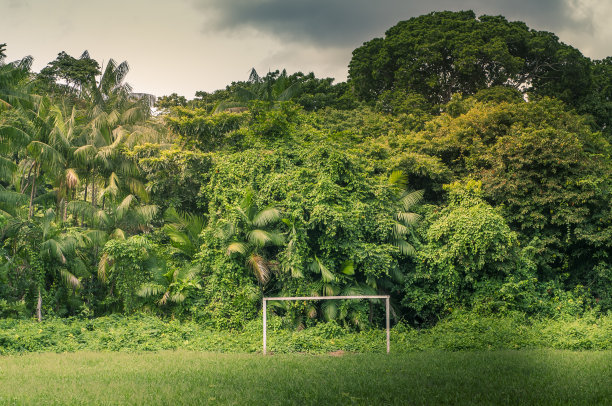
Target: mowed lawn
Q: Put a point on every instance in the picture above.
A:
(537, 377)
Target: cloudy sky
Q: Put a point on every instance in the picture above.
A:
(188, 45)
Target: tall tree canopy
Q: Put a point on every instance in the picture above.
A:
(442, 53)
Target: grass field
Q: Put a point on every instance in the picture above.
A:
(538, 377)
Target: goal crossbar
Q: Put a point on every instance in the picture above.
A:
(297, 298)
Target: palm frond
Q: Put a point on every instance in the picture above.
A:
(265, 217)
(45, 153)
(290, 92)
(408, 218)
(164, 298)
(85, 153)
(177, 297)
(328, 289)
(259, 237)
(260, 268)
(11, 137)
(171, 215)
(124, 206)
(146, 213)
(133, 115)
(103, 267)
(353, 290)
(397, 275)
(9, 198)
(112, 190)
(72, 178)
(238, 248)
(52, 249)
(81, 208)
(326, 275)
(102, 218)
(412, 198)
(179, 239)
(399, 229)
(138, 188)
(69, 279)
(330, 310)
(399, 179)
(405, 247)
(150, 289)
(96, 237)
(7, 169)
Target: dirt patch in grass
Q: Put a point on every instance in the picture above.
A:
(338, 353)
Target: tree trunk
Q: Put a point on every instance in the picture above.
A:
(93, 189)
(31, 211)
(104, 197)
(24, 186)
(39, 307)
(85, 198)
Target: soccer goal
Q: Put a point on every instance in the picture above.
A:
(267, 299)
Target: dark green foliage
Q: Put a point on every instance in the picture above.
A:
(205, 131)
(174, 176)
(464, 179)
(469, 252)
(442, 53)
(67, 75)
(173, 100)
(125, 266)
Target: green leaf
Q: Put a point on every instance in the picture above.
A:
(348, 268)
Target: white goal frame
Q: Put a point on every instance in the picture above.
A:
(297, 298)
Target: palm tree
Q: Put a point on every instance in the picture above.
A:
(33, 133)
(272, 89)
(405, 220)
(249, 238)
(14, 83)
(110, 110)
(49, 250)
(184, 230)
(171, 286)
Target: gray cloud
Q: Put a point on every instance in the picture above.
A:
(342, 23)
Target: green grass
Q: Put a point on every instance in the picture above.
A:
(536, 377)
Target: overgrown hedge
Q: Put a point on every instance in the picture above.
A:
(461, 331)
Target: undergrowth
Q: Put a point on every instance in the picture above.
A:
(461, 331)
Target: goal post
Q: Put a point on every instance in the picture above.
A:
(302, 298)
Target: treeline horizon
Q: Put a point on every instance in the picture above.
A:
(465, 165)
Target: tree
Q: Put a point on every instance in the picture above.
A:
(14, 86)
(68, 75)
(173, 100)
(184, 231)
(467, 248)
(48, 252)
(248, 237)
(443, 53)
(545, 169)
(173, 285)
(598, 102)
(110, 108)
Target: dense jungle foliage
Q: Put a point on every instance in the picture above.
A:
(465, 166)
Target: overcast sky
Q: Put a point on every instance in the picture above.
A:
(188, 45)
